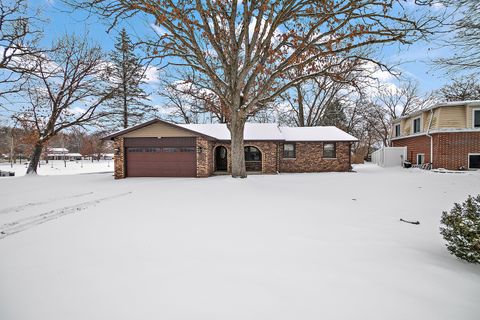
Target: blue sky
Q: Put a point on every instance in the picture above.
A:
(414, 60)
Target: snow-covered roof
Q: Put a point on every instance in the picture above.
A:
(315, 134)
(253, 131)
(256, 131)
(57, 150)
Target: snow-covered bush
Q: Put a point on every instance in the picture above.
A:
(461, 229)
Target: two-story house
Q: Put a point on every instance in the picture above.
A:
(447, 135)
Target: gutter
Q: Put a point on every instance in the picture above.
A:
(430, 136)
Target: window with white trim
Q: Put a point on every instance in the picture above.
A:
(397, 130)
(417, 125)
(289, 151)
(329, 150)
(420, 158)
(476, 118)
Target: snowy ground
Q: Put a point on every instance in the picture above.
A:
(59, 167)
(291, 246)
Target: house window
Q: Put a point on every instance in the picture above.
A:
(397, 130)
(329, 150)
(474, 161)
(476, 118)
(252, 154)
(289, 151)
(420, 158)
(416, 125)
(253, 159)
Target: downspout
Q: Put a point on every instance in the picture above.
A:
(430, 136)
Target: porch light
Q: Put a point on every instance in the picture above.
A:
(199, 149)
(117, 151)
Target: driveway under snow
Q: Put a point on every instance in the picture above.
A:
(290, 246)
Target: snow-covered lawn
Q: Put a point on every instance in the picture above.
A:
(59, 167)
(290, 246)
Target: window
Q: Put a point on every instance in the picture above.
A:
(420, 158)
(253, 159)
(416, 125)
(474, 161)
(476, 118)
(397, 130)
(252, 154)
(289, 151)
(329, 150)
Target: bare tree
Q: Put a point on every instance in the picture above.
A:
(358, 124)
(244, 51)
(388, 103)
(310, 102)
(466, 40)
(67, 89)
(400, 101)
(185, 103)
(18, 42)
(461, 89)
(93, 145)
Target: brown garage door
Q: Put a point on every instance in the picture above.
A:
(165, 157)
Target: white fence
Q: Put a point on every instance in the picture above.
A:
(390, 156)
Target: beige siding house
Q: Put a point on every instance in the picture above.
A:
(446, 135)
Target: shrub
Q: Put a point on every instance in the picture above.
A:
(461, 229)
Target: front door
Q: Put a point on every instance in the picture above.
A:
(220, 159)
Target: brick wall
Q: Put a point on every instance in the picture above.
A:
(309, 158)
(269, 154)
(450, 150)
(119, 158)
(267, 148)
(204, 157)
(415, 145)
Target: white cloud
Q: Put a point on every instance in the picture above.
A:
(152, 75)
(376, 77)
(434, 6)
(158, 29)
(77, 110)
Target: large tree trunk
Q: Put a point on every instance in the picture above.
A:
(238, 154)
(35, 158)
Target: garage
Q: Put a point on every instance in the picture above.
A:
(160, 157)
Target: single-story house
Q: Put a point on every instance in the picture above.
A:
(162, 149)
(56, 153)
(62, 154)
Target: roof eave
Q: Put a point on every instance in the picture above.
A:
(439, 105)
(332, 140)
(145, 124)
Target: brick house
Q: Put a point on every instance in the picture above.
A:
(161, 149)
(447, 135)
